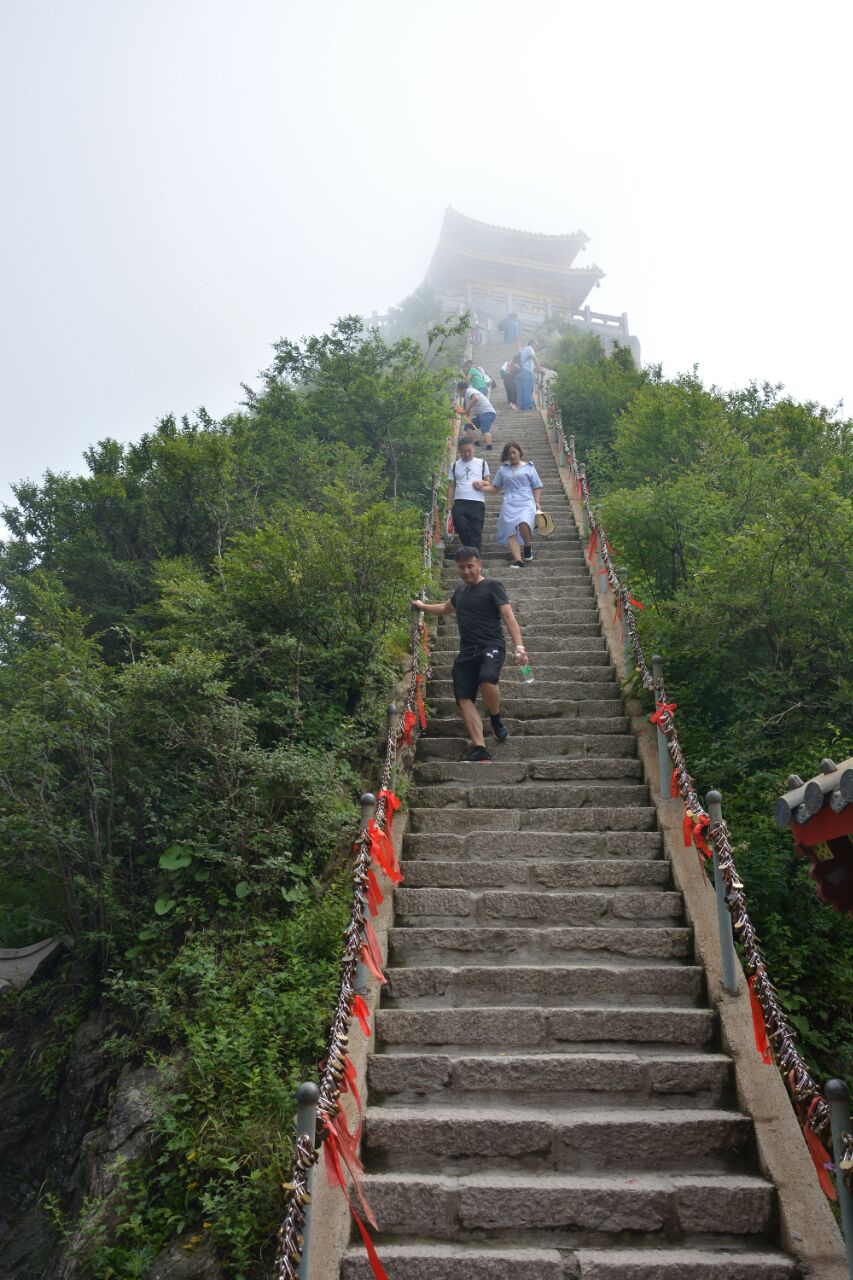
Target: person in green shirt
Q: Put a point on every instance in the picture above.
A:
(478, 378)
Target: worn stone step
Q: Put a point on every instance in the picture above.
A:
(516, 1027)
(442, 727)
(678, 1264)
(608, 687)
(631, 1141)
(538, 747)
(571, 648)
(500, 945)
(572, 1209)
(671, 1079)
(557, 874)
(605, 906)
(593, 818)
(439, 986)
(535, 707)
(597, 768)
(457, 1262)
(477, 794)
(532, 846)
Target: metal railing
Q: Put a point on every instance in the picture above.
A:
(823, 1116)
(321, 1119)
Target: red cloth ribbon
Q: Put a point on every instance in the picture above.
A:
(335, 1177)
(818, 1152)
(692, 829)
(361, 1011)
(660, 707)
(592, 544)
(370, 953)
(637, 604)
(349, 1084)
(382, 852)
(374, 893)
(422, 715)
(410, 719)
(674, 790)
(700, 826)
(338, 1146)
(758, 1026)
(392, 804)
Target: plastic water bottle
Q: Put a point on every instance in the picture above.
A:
(527, 673)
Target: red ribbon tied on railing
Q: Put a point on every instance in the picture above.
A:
(410, 719)
(759, 1028)
(371, 955)
(361, 1011)
(374, 893)
(592, 544)
(422, 715)
(392, 804)
(338, 1149)
(818, 1152)
(382, 852)
(660, 707)
(674, 789)
(692, 828)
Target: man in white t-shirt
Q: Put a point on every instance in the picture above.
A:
(479, 410)
(467, 506)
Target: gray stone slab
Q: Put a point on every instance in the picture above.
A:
(514, 944)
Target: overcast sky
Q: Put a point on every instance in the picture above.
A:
(185, 181)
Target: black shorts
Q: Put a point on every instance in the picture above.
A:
(471, 669)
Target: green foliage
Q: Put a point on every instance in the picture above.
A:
(733, 516)
(592, 391)
(196, 642)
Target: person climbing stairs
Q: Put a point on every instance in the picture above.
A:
(548, 1097)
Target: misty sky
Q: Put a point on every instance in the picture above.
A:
(184, 181)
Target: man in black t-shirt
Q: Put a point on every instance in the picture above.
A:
(480, 605)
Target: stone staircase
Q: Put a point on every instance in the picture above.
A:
(548, 1098)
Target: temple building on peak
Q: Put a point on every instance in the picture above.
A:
(495, 270)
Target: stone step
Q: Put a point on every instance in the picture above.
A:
(536, 707)
(442, 727)
(671, 1079)
(521, 1208)
(537, 747)
(532, 846)
(598, 768)
(486, 1262)
(584, 649)
(678, 1264)
(502, 945)
(517, 1027)
(597, 818)
(527, 795)
(630, 1141)
(551, 668)
(605, 873)
(563, 986)
(495, 906)
(606, 687)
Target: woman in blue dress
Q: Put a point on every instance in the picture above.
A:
(521, 487)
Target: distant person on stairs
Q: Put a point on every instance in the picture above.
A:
(467, 505)
(480, 379)
(524, 381)
(479, 604)
(479, 409)
(509, 373)
(522, 489)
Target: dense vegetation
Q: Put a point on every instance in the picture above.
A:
(196, 640)
(732, 513)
